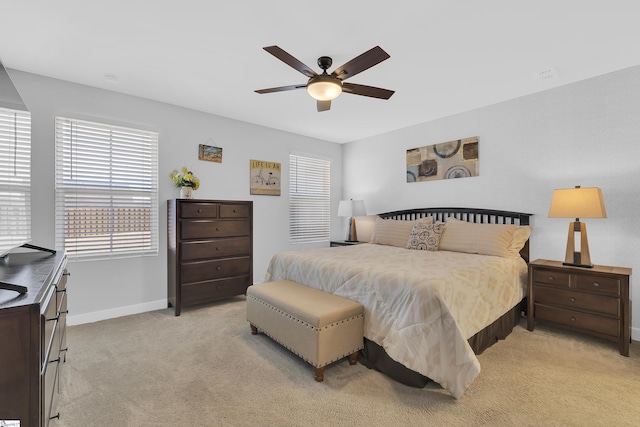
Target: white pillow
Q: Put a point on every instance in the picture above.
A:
(394, 232)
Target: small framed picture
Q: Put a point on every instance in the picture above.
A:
(210, 153)
(265, 178)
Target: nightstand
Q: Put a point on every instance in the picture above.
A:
(335, 243)
(590, 300)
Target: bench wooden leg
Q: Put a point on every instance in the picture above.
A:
(353, 358)
(318, 374)
(254, 330)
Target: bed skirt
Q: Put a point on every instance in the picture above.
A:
(375, 357)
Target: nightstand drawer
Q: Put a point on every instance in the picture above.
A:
(576, 319)
(551, 277)
(606, 285)
(578, 300)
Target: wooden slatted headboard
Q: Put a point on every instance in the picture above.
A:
(481, 216)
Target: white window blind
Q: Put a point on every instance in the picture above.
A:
(15, 178)
(106, 190)
(310, 202)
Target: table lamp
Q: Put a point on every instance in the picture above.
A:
(577, 203)
(351, 208)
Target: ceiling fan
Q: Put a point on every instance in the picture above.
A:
(325, 87)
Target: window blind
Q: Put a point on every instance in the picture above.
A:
(15, 178)
(106, 190)
(309, 199)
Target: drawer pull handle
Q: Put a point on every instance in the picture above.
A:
(217, 249)
(572, 299)
(234, 211)
(199, 210)
(217, 228)
(53, 319)
(219, 268)
(66, 273)
(550, 278)
(596, 284)
(573, 319)
(55, 416)
(55, 360)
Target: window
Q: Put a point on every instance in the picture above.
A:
(106, 190)
(15, 178)
(309, 204)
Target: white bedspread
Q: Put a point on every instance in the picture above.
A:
(420, 306)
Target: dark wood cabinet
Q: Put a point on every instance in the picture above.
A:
(591, 300)
(210, 250)
(32, 337)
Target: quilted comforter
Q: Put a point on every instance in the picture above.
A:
(420, 306)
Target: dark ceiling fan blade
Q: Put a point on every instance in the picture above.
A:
(324, 106)
(290, 60)
(360, 63)
(281, 88)
(373, 92)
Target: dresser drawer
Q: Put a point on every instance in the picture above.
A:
(208, 229)
(50, 391)
(234, 211)
(200, 271)
(199, 210)
(551, 277)
(578, 300)
(212, 290)
(605, 285)
(233, 246)
(576, 319)
(49, 319)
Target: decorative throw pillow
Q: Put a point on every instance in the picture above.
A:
(425, 237)
(394, 232)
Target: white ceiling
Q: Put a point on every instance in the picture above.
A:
(447, 56)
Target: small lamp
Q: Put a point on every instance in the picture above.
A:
(351, 208)
(577, 203)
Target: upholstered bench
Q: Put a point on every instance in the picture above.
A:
(317, 326)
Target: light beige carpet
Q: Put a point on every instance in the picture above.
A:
(204, 368)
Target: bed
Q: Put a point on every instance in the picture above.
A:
(439, 286)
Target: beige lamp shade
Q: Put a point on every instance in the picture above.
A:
(577, 203)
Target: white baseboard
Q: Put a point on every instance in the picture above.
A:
(96, 316)
(635, 334)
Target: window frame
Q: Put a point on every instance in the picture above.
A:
(15, 178)
(106, 190)
(309, 200)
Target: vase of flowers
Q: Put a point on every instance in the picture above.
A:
(186, 181)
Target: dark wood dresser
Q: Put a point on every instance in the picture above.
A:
(210, 250)
(32, 336)
(590, 300)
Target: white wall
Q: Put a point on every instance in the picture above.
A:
(587, 134)
(104, 289)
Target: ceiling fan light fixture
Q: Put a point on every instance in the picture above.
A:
(324, 87)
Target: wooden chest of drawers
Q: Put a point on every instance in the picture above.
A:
(591, 300)
(32, 337)
(210, 250)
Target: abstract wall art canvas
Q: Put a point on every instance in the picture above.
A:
(447, 160)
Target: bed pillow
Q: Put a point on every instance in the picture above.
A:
(393, 232)
(364, 227)
(425, 237)
(484, 239)
(520, 237)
